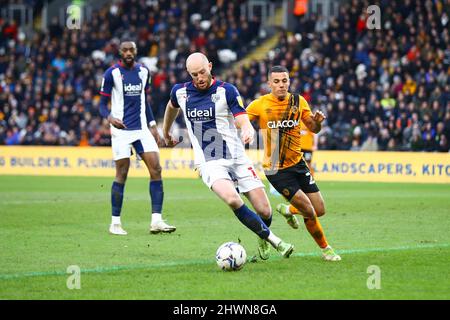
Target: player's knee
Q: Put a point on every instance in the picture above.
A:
(155, 172)
(264, 211)
(320, 211)
(306, 209)
(233, 201)
(121, 174)
(309, 212)
(319, 207)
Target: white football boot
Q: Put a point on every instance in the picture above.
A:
(328, 254)
(117, 229)
(161, 226)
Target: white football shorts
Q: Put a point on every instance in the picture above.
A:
(123, 140)
(243, 174)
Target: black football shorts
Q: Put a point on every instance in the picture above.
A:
(289, 180)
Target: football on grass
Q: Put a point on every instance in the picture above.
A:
(231, 256)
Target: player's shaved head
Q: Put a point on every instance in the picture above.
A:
(196, 60)
(199, 68)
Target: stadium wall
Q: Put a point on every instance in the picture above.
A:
(329, 165)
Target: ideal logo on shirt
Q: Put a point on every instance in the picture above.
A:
(200, 114)
(132, 89)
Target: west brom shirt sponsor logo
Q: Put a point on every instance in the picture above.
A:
(215, 97)
(200, 114)
(282, 124)
(132, 89)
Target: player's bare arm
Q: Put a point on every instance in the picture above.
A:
(105, 112)
(169, 117)
(154, 131)
(117, 123)
(247, 132)
(314, 122)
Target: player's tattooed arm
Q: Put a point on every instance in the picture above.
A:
(314, 122)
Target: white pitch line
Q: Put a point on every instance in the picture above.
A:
(211, 261)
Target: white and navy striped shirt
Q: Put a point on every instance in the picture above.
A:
(209, 119)
(127, 88)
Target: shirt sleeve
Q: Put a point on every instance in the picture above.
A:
(149, 81)
(234, 100)
(253, 110)
(173, 96)
(107, 84)
(149, 114)
(304, 107)
(104, 112)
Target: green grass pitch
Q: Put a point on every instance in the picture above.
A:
(50, 223)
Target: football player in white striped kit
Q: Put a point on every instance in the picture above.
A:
(126, 83)
(213, 111)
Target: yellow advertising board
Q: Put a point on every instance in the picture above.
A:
(87, 161)
(421, 167)
(179, 163)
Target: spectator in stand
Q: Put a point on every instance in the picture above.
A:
(51, 76)
(394, 80)
(389, 81)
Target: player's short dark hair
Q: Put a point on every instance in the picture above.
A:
(127, 40)
(278, 69)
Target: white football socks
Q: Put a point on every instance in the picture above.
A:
(115, 220)
(273, 239)
(156, 217)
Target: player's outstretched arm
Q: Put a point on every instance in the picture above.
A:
(169, 117)
(314, 122)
